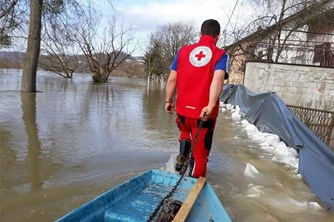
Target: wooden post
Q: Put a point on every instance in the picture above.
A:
(185, 209)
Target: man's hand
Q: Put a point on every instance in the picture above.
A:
(169, 107)
(170, 90)
(206, 113)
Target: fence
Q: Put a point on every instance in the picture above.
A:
(321, 122)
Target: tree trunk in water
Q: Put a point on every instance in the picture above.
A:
(28, 83)
(100, 77)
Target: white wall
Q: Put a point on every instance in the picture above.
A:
(294, 84)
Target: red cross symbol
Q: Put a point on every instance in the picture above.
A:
(200, 55)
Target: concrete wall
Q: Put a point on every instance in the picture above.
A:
(306, 86)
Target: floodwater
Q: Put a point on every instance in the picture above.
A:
(73, 140)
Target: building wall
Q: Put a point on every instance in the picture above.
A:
(299, 47)
(306, 86)
(238, 57)
(237, 69)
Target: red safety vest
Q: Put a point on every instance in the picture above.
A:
(195, 68)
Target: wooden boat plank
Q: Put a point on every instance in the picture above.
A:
(182, 215)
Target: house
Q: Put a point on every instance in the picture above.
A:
(304, 38)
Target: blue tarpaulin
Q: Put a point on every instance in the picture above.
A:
(270, 114)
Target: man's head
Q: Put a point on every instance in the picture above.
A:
(210, 27)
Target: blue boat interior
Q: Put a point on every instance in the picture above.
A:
(136, 199)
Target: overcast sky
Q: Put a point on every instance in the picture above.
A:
(146, 15)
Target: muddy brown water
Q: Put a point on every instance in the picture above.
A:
(74, 139)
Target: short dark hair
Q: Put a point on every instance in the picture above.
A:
(210, 27)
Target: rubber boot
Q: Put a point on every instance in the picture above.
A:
(185, 146)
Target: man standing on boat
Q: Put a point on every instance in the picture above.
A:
(197, 77)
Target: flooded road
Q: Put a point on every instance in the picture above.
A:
(74, 139)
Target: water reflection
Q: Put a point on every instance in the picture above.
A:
(74, 140)
(155, 117)
(28, 106)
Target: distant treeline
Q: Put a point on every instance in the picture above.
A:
(133, 67)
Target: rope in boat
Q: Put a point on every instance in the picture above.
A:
(182, 173)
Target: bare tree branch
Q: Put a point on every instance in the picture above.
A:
(105, 54)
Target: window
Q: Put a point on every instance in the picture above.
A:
(323, 55)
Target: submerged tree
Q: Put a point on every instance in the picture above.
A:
(154, 60)
(59, 48)
(165, 42)
(52, 8)
(28, 83)
(104, 53)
